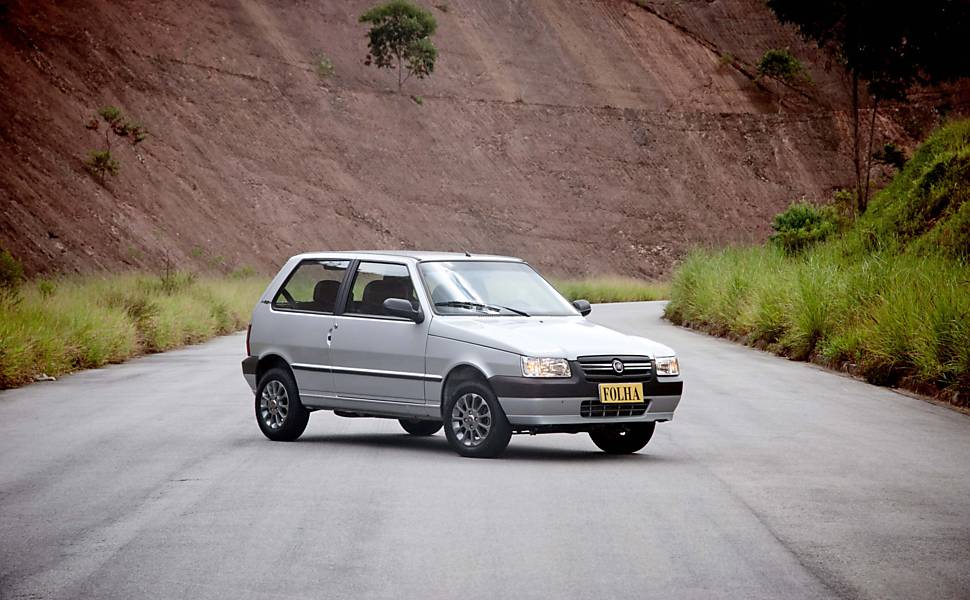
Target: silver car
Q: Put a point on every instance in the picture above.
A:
(481, 344)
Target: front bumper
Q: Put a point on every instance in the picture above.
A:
(527, 401)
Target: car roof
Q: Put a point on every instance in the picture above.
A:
(410, 255)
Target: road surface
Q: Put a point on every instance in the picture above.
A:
(775, 480)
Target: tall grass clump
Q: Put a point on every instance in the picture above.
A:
(888, 298)
(82, 322)
(612, 289)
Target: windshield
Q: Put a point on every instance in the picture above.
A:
(491, 288)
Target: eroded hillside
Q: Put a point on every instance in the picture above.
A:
(586, 136)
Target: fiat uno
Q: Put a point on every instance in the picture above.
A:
(480, 344)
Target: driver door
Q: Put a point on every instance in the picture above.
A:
(378, 358)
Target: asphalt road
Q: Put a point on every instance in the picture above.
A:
(775, 480)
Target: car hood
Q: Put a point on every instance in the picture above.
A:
(559, 337)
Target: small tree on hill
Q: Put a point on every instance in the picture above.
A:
(400, 37)
(102, 162)
(782, 64)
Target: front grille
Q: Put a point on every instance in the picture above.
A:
(595, 408)
(600, 368)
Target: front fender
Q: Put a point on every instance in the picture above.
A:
(445, 354)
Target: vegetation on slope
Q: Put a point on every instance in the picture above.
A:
(888, 298)
(53, 327)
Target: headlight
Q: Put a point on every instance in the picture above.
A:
(667, 365)
(545, 367)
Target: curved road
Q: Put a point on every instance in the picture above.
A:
(776, 480)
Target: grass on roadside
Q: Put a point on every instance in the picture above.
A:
(54, 327)
(893, 319)
(612, 289)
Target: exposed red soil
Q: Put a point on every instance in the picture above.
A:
(585, 136)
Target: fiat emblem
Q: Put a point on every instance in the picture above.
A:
(617, 366)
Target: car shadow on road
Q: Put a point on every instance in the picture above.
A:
(437, 444)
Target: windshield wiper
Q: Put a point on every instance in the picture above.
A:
(479, 305)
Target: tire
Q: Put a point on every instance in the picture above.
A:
(622, 439)
(279, 413)
(416, 427)
(484, 436)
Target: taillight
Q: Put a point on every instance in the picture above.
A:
(249, 331)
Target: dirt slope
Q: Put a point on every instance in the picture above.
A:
(586, 136)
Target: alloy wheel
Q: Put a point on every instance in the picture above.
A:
(471, 420)
(274, 404)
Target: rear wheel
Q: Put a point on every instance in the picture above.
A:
(416, 427)
(622, 439)
(279, 413)
(475, 424)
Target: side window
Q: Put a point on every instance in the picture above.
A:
(375, 283)
(312, 286)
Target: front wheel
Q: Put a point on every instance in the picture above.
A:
(475, 424)
(416, 427)
(279, 412)
(622, 439)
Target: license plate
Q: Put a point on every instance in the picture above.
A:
(616, 393)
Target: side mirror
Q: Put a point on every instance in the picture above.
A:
(399, 307)
(583, 307)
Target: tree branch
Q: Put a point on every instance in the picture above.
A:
(872, 128)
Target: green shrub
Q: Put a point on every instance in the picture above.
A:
(324, 67)
(101, 163)
(46, 288)
(802, 225)
(844, 203)
(11, 272)
(890, 155)
(243, 272)
(111, 114)
(782, 64)
(171, 282)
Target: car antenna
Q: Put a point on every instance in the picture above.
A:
(466, 253)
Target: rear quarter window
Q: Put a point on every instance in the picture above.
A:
(312, 286)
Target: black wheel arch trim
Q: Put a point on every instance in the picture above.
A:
(250, 365)
(257, 365)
